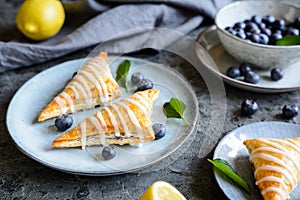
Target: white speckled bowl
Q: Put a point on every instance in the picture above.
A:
(262, 56)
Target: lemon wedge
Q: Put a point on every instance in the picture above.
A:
(161, 190)
(40, 20)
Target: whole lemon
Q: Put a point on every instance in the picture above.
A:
(40, 19)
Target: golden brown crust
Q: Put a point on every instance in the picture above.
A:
(72, 138)
(284, 150)
(53, 109)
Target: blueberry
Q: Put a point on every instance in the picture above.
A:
(254, 38)
(263, 39)
(266, 31)
(256, 19)
(241, 34)
(274, 38)
(249, 107)
(296, 23)
(63, 122)
(137, 77)
(244, 68)
(279, 24)
(227, 28)
(246, 21)
(108, 152)
(292, 31)
(233, 72)
(232, 32)
(251, 77)
(261, 25)
(239, 25)
(144, 84)
(290, 111)
(276, 74)
(251, 27)
(160, 130)
(269, 19)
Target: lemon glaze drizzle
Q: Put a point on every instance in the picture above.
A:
(289, 176)
(99, 125)
(80, 83)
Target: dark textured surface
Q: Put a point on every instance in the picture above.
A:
(24, 178)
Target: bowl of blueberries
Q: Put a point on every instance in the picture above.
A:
(249, 31)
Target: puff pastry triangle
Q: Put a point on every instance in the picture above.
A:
(125, 122)
(276, 164)
(92, 85)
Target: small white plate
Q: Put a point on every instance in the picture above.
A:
(34, 139)
(231, 148)
(214, 57)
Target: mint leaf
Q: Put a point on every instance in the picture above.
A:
(227, 169)
(170, 111)
(289, 40)
(175, 109)
(122, 72)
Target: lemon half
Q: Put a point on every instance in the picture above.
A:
(40, 19)
(161, 190)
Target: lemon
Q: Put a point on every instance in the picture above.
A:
(40, 19)
(161, 190)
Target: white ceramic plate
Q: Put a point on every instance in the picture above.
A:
(34, 139)
(214, 57)
(231, 148)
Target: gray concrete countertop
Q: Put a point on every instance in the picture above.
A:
(23, 178)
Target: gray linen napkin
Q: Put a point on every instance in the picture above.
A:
(120, 27)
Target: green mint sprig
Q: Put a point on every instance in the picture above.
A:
(289, 40)
(227, 169)
(122, 72)
(175, 109)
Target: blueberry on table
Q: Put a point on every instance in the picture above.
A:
(290, 111)
(108, 152)
(276, 74)
(137, 77)
(63, 122)
(244, 68)
(249, 107)
(233, 72)
(251, 77)
(160, 130)
(144, 84)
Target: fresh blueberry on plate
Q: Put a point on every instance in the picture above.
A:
(108, 152)
(144, 84)
(137, 77)
(249, 107)
(251, 77)
(233, 72)
(63, 122)
(244, 68)
(160, 130)
(290, 111)
(276, 74)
